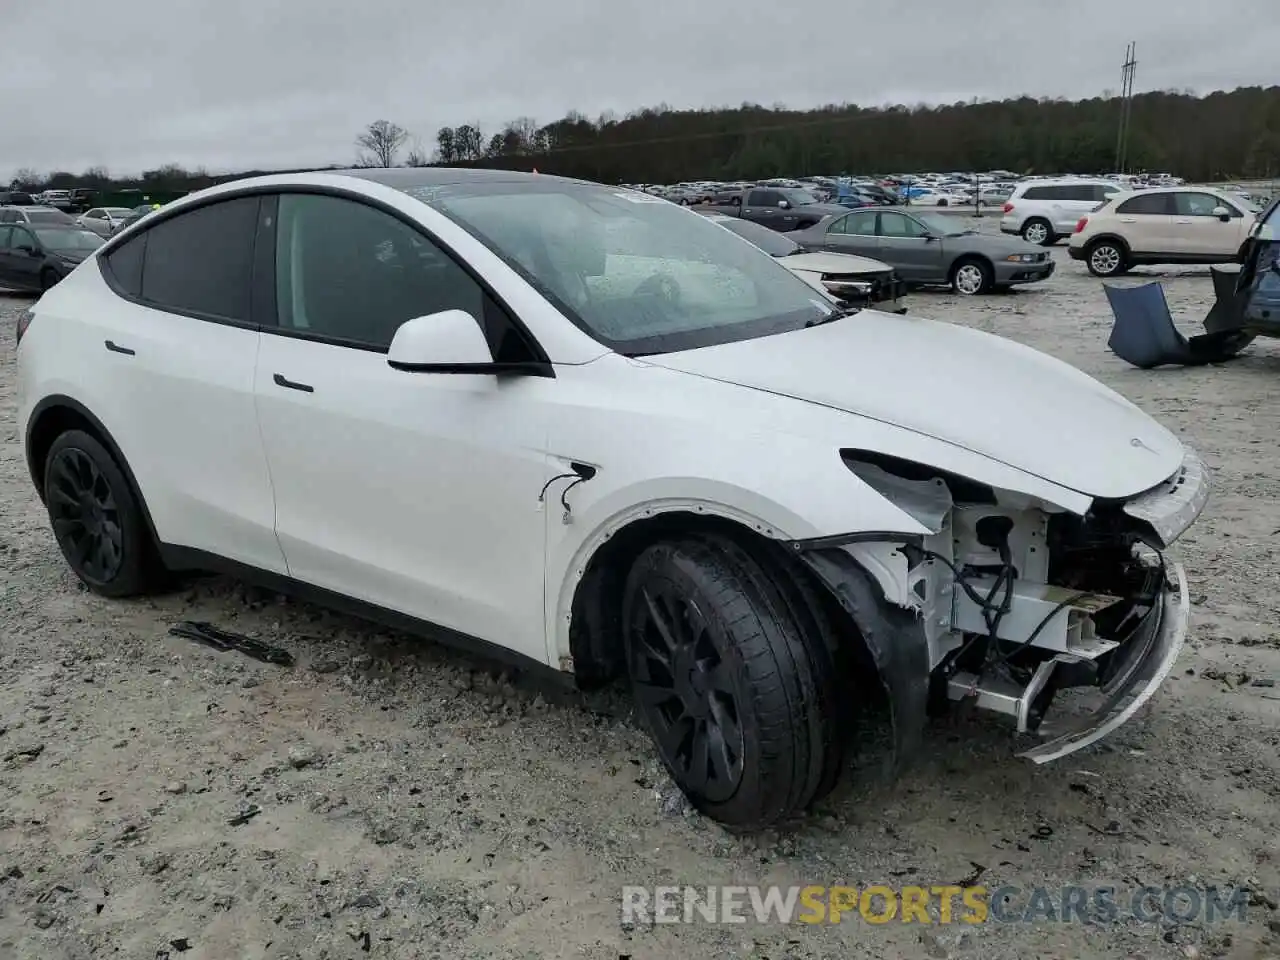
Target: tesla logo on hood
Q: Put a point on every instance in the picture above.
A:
(1137, 442)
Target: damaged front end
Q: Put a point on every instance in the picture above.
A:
(1016, 606)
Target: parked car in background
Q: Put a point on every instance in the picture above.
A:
(589, 432)
(39, 215)
(930, 197)
(16, 198)
(136, 214)
(104, 221)
(35, 257)
(929, 249)
(58, 199)
(855, 281)
(778, 208)
(1167, 225)
(1045, 211)
(81, 199)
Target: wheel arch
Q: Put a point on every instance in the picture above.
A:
(55, 415)
(1115, 238)
(971, 256)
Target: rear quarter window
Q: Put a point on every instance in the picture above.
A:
(124, 264)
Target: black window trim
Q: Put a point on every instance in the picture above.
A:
(540, 365)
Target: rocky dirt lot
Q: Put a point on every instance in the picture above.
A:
(389, 798)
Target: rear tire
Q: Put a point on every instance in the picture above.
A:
(1039, 231)
(733, 680)
(97, 519)
(1106, 258)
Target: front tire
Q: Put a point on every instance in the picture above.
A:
(96, 518)
(1039, 231)
(48, 279)
(731, 678)
(1106, 258)
(972, 276)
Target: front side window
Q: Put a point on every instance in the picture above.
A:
(1196, 204)
(636, 273)
(201, 261)
(898, 225)
(352, 273)
(23, 238)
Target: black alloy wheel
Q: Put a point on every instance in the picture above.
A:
(683, 689)
(96, 518)
(86, 518)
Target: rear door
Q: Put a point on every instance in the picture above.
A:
(6, 269)
(854, 233)
(178, 346)
(1145, 221)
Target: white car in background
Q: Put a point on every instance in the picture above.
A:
(589, 431)
(1166, 225)
(1044, 211)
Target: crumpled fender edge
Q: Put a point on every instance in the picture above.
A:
(894, 637)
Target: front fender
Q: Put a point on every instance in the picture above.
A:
(789, 512)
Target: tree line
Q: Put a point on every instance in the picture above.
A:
(1224, 135)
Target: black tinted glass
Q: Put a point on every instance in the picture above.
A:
(201, 261)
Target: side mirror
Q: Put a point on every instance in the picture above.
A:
(1222, 213)
(446, 342)
(27, 249)
(929, 237)
(784, 204)
(450, 341)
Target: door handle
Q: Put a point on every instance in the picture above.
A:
(282, 381)
(116, 348)
(1187, 220)
(1128, 219)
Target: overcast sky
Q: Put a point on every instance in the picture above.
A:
(232, 84)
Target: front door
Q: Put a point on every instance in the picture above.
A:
(415, 492)
(906, 243)
(22, 259)
(1200, 233)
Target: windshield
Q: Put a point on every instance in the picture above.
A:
(68, 240)
(770, 241)
(1245, 203)
(638, 274)
(799, 198)
(48, 216)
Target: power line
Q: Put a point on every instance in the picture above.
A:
(1127, 71)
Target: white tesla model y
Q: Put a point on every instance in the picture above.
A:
(595, 432)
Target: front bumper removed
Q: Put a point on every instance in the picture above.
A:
(1148, 656)
(1154, 650)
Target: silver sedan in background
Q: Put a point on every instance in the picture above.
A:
(930, 249)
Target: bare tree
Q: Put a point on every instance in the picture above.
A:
(380, 143)
(27, 179)
(418, 157)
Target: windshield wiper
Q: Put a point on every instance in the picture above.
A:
(833, 316)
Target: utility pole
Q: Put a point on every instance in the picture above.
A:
(1127, 71)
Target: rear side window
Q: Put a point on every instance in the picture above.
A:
(201, 261)
(1150, 204)
(125, 265)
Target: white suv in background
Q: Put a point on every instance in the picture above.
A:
(1045, 211)
(1176, 225)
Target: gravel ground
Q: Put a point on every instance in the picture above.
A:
(415, 803)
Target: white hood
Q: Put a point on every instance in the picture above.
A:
(833, 263)
(985, 393)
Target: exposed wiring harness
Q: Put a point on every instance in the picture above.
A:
(582, 472)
